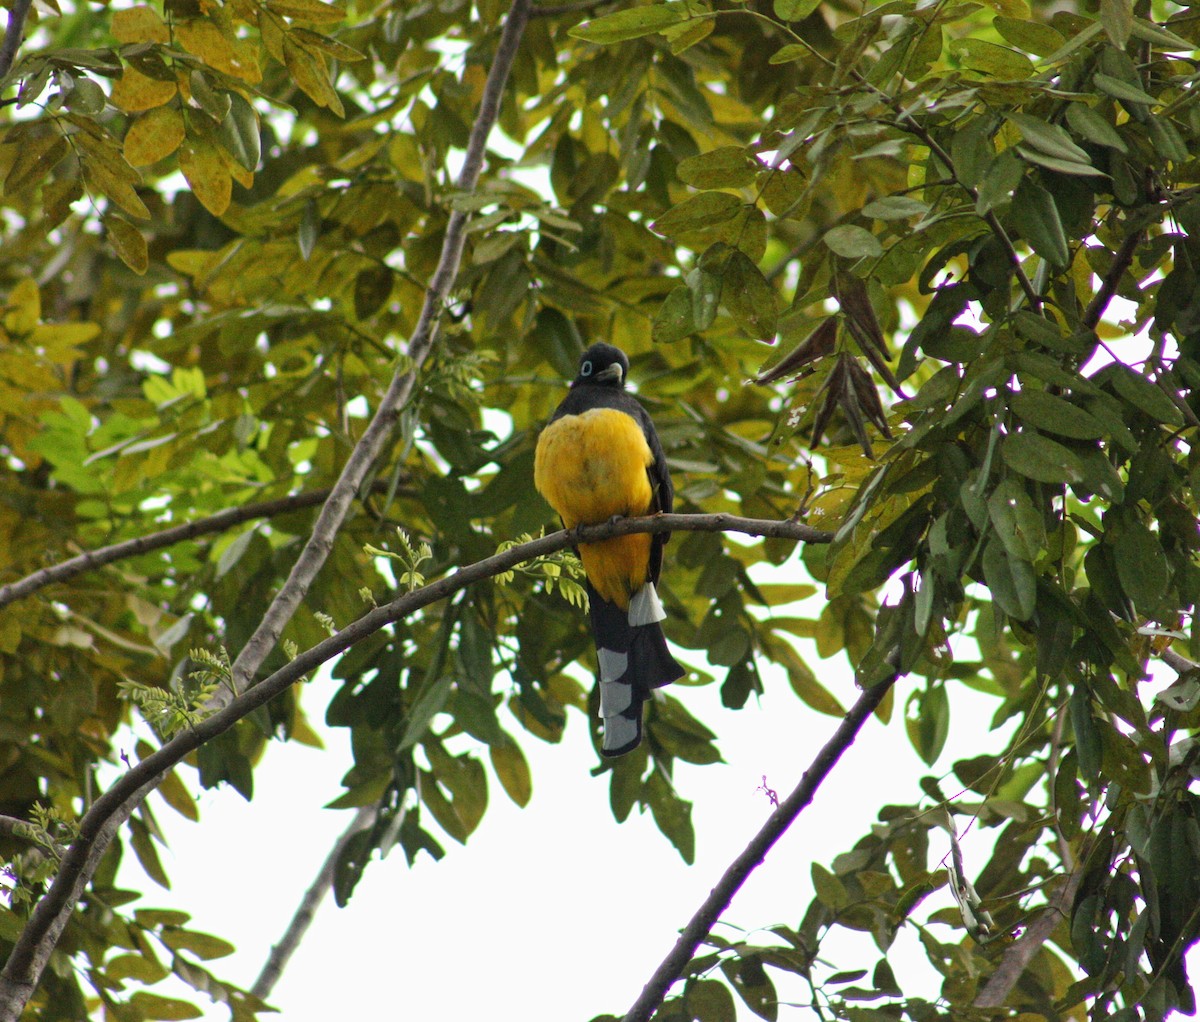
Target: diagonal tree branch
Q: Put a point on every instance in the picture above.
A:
(751, 857)
(382, 425)
(280, 953)
(99, 825)
(13, 34)
(1019, 954)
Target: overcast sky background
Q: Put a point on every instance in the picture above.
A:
(553, 912)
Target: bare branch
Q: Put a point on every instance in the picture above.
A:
(100, 824)
(382, 425)
(13, 35)
(752, 855)
(1177, 662)
(280, 953)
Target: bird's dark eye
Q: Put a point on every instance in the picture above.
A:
(586, 368)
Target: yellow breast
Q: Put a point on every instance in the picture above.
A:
(590, 467)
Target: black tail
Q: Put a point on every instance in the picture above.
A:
(634, 660)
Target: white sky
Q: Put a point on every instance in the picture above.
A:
(550, 913)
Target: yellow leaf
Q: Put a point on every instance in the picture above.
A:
(36, 157)
(207, 174)
(154, 136)
(58, 340)
(127, 241)
(509, 763)
(105, 170)
(309, 71)
(192, 262)
(273, 33)
(133, 91)
(307, 10)
(23, 308)
(139, 25)
(207, 42)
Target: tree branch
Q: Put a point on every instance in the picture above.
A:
(752, 855)
(280, 953)
(99, 825)
(1122, 260)
(382, 425)
(13, 35)
(1019, 954)
(92, 559)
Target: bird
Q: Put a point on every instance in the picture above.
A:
(598, 458)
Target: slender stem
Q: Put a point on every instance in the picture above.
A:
(752, 855)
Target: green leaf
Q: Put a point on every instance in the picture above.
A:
(1088, 745)
(698, 213)
(1094, 126)
(1141, 566)
(1037, 457)
(1053, 414)
(750, 299)
(154, 1006)
(428, 705)
(1016, 520)
(1143, 394)
(630, 23)
(1123, 91)
(1011, 580)
(202, 945)
(795, 10)
(1034, 37)
(991, 59)
(1035, 215)
(895, 207)
(1048, 138)
(674, 320)
(723, 167)
(853, 242)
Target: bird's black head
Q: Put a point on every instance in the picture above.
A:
(602, 365)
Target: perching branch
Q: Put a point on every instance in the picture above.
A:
(13, 35)
(99, 825)
(377, 434)
(302, 919)
(752, 855)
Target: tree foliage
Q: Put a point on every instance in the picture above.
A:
(968, 231)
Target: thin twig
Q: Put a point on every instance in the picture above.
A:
(13, 35)
(99, 825)
(752, 855)
(280, 953)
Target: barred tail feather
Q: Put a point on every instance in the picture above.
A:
(634, 660)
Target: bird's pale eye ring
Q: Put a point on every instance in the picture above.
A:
(586, 368)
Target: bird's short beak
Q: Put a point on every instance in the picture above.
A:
(613, 372)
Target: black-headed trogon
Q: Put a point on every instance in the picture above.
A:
(597, 458)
